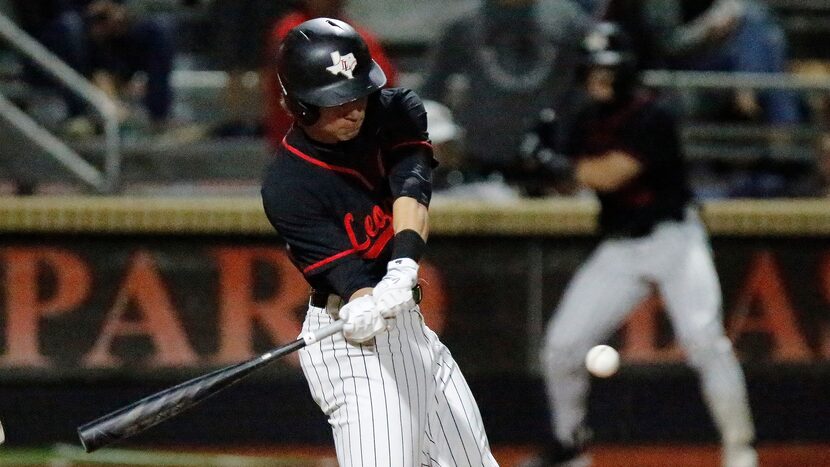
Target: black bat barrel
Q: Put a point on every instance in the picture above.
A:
(154, 409)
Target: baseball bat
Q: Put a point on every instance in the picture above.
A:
(156, 408)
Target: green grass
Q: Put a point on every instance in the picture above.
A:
(65, 455)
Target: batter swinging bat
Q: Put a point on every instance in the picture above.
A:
(156, 408)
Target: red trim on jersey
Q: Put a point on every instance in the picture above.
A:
(336, 168)
(384, 237)
(328, 260)
(412, 143)
(373, 252)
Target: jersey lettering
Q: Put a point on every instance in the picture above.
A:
(375, 227)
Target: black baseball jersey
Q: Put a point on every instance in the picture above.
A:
(647, 131)
(332, 203)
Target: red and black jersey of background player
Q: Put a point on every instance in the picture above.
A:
(332, 203)
(649, 132)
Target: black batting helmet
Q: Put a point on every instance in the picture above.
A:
(324, 62)
(607, 45)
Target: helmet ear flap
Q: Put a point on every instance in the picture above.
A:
(306, 114)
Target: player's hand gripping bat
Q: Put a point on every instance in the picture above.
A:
(156, 408)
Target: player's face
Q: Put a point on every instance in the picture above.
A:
(340, 123)
(600, 84)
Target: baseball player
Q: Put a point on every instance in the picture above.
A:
(348, 191)
(625, 147)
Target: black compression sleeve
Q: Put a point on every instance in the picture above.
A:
(408, 244)
(411, 175)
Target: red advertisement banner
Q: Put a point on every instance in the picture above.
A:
(92, 303)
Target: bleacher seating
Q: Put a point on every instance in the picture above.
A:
(192, 154)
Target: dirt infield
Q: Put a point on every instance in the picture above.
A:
(771, 455)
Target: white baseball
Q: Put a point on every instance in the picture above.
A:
(602, 361)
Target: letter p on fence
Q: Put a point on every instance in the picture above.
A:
(38, 282)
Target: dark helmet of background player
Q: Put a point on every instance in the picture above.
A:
(324, 62)
(606, 45)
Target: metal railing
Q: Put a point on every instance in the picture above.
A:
(105, 181)
(734, 80)
(743, 142)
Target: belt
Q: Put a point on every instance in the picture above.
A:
(320, 298)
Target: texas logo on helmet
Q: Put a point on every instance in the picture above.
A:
(342, 65)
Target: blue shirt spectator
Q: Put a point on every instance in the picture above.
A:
(725, 35)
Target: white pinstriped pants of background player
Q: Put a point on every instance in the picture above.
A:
(400, 400)
(619, 274)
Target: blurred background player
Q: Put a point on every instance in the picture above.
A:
(277, 120)
(349, 191)
(625, 147)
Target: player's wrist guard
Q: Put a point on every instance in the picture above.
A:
(408, 244)
(539, 147)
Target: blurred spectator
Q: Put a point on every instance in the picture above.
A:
(58, 25)
(716, 35)
(496, 68)
(724, 36)
(125, 44)
(239, 46)
(277, 120)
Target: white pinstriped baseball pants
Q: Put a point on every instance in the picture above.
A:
(399, 400)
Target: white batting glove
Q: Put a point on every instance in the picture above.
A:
(393, 294)
(362, 319)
